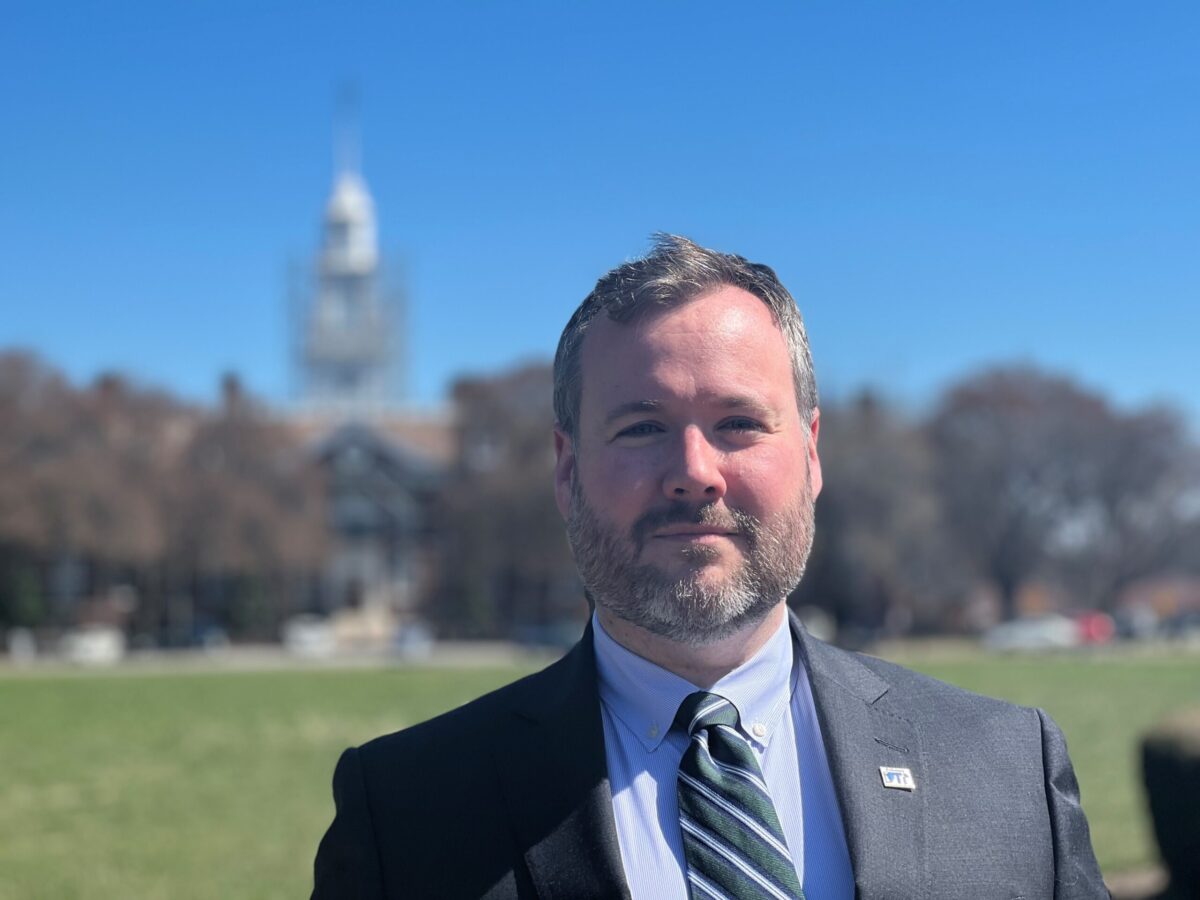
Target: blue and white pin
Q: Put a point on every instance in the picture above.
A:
(897, 778)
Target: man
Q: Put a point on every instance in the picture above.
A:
(697, 741)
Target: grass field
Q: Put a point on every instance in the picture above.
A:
(217, 784)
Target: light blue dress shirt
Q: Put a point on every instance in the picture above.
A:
(774, 700)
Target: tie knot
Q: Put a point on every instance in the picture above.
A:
(703, 710)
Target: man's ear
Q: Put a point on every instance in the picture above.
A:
(564, 470)
(815, 481)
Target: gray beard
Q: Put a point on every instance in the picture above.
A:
(690, 610)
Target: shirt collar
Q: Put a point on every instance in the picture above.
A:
(644, 697)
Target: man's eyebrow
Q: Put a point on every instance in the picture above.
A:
(633, 406)
(745, 402)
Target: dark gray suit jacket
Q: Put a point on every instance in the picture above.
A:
(508, 796)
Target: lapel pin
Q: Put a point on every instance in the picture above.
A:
(900, 779)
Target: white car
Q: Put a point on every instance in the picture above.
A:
(1046, 632)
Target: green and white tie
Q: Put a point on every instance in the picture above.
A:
(732, 839)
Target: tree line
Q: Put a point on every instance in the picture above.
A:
(1013, 477)
(209, 517)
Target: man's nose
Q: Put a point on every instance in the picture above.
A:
(694, 470)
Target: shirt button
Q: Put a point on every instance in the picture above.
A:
(759, 729)
(652, 731)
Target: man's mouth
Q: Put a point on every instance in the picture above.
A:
(686, 525)
(693, 532)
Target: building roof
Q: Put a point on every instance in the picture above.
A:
(426, 436)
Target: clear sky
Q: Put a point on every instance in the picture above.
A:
(942, 185)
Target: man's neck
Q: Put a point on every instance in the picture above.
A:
(702, 665)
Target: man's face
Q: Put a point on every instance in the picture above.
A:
(688, 491)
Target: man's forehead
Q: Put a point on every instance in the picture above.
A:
(728, 331)
(725, 301)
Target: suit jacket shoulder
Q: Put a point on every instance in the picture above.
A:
(506, 796)
(923, 698)
(460, 733)
(992, 784)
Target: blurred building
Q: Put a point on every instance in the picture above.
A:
(350, 349)
(382, 463)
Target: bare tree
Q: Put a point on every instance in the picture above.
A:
(242, 513)
(1138, 508)
(132, 487)
(1040, 477)
(880, 560)
(505, 563)
(79, 469)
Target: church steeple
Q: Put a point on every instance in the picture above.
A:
(349, 243)
(348, 352)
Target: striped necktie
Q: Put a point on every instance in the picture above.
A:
(732, 839)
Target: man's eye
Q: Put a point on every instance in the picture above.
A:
(741, 424)
(639, 430)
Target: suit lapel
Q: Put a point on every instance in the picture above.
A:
(885, 829)
(555, 780)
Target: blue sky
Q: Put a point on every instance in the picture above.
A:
(942, 185)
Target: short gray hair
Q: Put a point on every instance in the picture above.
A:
(674, 272)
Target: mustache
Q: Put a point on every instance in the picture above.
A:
(682, 513)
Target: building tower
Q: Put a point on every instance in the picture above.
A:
(348, 322)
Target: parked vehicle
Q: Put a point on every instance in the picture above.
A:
(1045, 632)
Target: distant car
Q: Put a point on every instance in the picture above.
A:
(1095, 627)
(309, 636)
(1046, 632)
(1184, 626)
(414, 641)
(1137, 623)
(93, 645)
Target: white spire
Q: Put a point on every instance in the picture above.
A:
(348, 345)
(350, 244)
(346, 151)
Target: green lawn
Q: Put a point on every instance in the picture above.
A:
(197, 785)
(217, 785)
